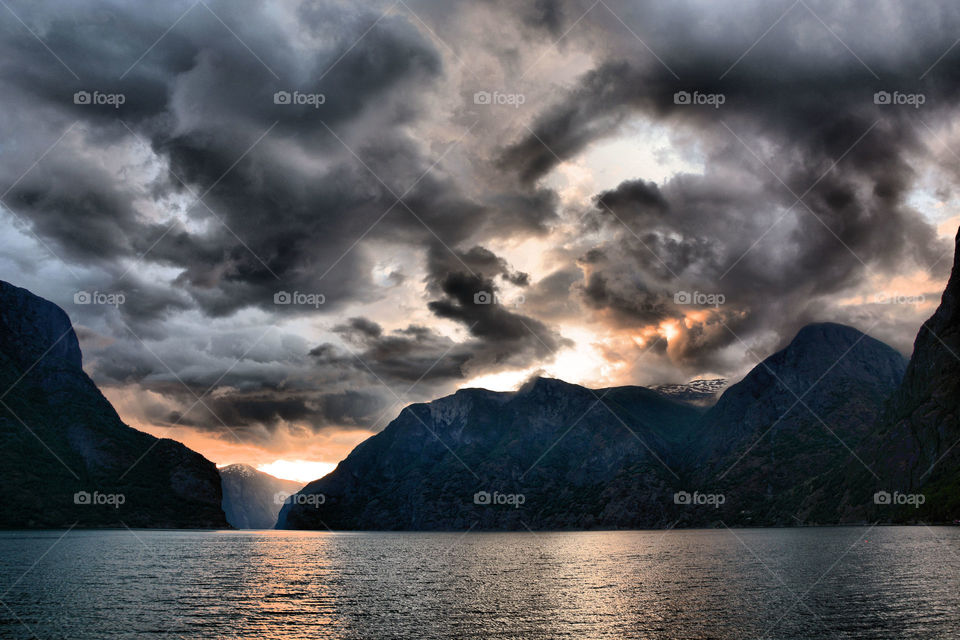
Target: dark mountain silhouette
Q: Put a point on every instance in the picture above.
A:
(772, 440)
(920, 436)
(66, 455)
(251, 498)
(817, 433)
(577, 457)
(615, 458)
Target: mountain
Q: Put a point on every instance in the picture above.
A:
(699, 392)
(921, 433)
(559, 456)
(66, 455)
(549, 456)
(837, 427)
(251, 498)
(772, 441)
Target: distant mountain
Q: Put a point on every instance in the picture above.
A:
(771, 441)
(251, 498)
(699, 392)
(66, 456)
(549, 456)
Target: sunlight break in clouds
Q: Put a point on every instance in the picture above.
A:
(299, 470)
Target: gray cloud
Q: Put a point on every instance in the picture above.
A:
(303, 199)
(798, 118)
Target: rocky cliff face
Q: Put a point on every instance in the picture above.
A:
(251, 498)
(66, 455)
(920, 449)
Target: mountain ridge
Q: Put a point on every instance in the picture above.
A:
(807, 436)
(382, 479)
(68, 459)
(837, 372)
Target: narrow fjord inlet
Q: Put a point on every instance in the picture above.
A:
(540, 319)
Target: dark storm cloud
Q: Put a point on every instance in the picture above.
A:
(630, 299)
(633, 198)
(202, 101)
(224, 385)
(360, 326)
(470, 295)
(548, 15)
(288, 189)
(272, 196)
(257, 416)
(798, 118)
(71, 204)
(419, 357)
(477, 261)
(401, 358)
(247, 414)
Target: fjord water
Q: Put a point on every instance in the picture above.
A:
(850, 582)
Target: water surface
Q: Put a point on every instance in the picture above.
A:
(885, 582)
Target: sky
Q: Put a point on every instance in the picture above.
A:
(274, 224)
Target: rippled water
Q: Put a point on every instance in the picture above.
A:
(886, 582)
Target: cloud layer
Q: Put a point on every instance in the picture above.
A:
(402, 173)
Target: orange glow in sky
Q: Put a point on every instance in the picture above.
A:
(299, 470)
(299, 455)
